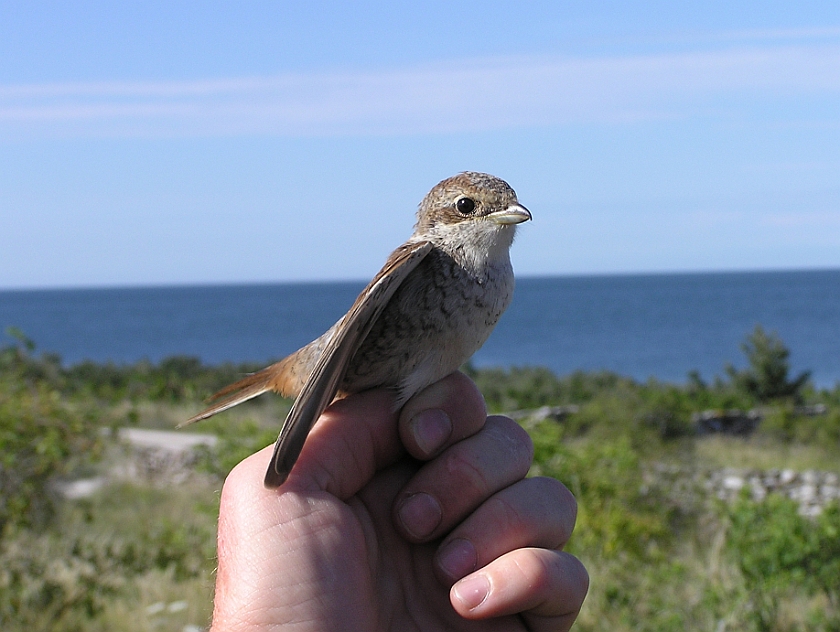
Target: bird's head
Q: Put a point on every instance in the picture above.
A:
(474, 211)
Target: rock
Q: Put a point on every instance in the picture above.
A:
(82, 488)
(740, 422)
(830, 492)
(810, 477)
(733, 482)
(166, 440)
(804, 494)
(787, 477)
(814, 410)
(810, 489)
(771, 480)
(730, 422)
(160, 456)
(810, 511)
(555, 413)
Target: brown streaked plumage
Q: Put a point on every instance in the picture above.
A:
(430, 307)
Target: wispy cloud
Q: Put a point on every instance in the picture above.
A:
(460, 96)
(820, 220)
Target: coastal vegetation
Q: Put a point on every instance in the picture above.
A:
(687, 520)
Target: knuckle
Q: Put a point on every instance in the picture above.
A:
(507, 516)
(512, 441)
(465, 473)
(560, 504)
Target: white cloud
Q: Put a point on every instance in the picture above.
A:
(460, 96)
(821, 220)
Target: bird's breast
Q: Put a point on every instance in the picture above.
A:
(436, 320)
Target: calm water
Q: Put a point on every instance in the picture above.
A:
(641, 326)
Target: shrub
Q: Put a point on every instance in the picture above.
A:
(666, 409)
(236, 441)
(618, 515)
(766, 379)
(778, 550)
(41, 437)
(531, 387)
(66, 577)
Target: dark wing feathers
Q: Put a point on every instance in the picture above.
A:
(323, 384)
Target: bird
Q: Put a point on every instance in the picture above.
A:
(426, 312)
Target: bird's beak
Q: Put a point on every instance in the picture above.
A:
(513, 214)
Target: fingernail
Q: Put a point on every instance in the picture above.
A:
(420, 514)
(457, 558)
(472, 591)
(432, 428)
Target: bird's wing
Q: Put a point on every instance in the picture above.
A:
(322, 385)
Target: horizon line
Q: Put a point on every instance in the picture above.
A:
(361, 281)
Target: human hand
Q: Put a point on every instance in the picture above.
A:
(416, 520)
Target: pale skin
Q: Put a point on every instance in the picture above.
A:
(420, 519)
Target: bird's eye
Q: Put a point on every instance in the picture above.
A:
(465, 205)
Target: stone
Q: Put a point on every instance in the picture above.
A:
(733, 482)
(787, 477)
(829, 492)
(810, 511)
(810, 477)
(805, 493)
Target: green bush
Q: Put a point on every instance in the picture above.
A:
(784, 424)
(173, 379)
(618, 514)
(778, 550)
(236, 441)
(522, 388)
(41, 438)
(667, 410)
(65, 578)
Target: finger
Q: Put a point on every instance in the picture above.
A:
(353, 439)
(451, 486)
(546, 587)
(359, 435)
(442, 414)
(534, 512)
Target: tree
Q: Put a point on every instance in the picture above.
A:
(766, 378)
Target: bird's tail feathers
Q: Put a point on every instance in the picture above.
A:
(272, 378)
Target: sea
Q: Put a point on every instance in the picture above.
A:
(659, 326)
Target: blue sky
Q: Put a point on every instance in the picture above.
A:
(197, 142)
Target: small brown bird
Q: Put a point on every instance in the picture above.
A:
(425, 313)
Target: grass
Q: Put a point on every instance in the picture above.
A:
(156, 602)
(662, 552)
(143, 557)
(763, 453)
(108, 560)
